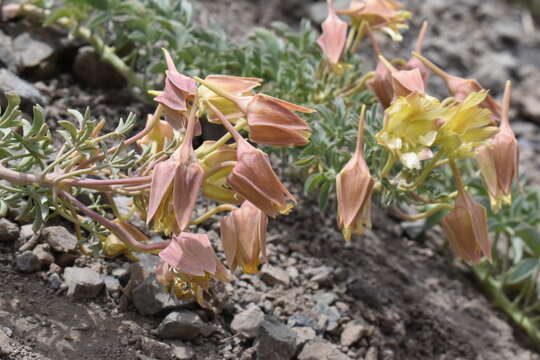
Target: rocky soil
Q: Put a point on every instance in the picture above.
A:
(393, 294)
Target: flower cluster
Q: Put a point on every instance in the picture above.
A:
(421, 132)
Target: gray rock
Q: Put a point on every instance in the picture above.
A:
(327, 316)
(7, 59)
(183, 325)
(303, 335)
(8, 231)
(320, 349)
(318, 11)
(43, 253)
(121, 274)
(150, 299)
(372, 354)
(94, 72)
(60, 239)
(155, 348)
(31, 51)
(27, 262)
(275, 341)
(26, 233)
(54, 281)
(5, 347)
(248, 322)
(354, 331)
(112, 284)
(272, 275)
(83, 283)
(182, 351)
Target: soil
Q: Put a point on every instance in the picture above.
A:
(418, 301)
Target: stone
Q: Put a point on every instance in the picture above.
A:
(182, 325)
(318, 11)
(272, 275)
(112, 284)
(354, 331)
(43, 253)
(5, 347)
(319, 349)
(7, 59)
(90, 69)
(275, 341)
(155, 348)
(54, 281)
(303, 335)
(55, 268)
(83, 283)
(8, 231)
(182, 351)
(26, 233)
(27, 262)
(31, 51)
(9, 82)
(372, 354)
(60, 239)
(150, 299)
(121, 274)
(248, 322)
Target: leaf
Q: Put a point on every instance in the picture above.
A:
(531, 236)
(522, 270)
(70, 127)
(323, 195)
(312, 182)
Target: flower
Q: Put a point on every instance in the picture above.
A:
(334, 36)
(190, 265)
(253, 177)
(466, 228)
(379, 14)
(243, 234)
(354, 186)
(271, 121)
(175, 186)
(113, 246)
(461, 88)
(466, 126)
(498, 161)
(160, 134)
(234, 85)
(179, 89)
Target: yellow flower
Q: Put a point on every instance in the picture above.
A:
(466, 126)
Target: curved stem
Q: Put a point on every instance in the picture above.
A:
(457, 176)
(390, 161)
(222, 141)
(212, 212)
(423, 215)
(116, 229)
(425, 173)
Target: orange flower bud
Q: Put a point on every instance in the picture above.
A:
(466, 228)
(243, 234)
(354, 186)
(334, 36)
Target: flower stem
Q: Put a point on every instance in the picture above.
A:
(212, 212)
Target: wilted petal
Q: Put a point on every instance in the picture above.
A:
(162, 179)
(187, 183)
(182, 83)
(334, 36)
(191, 254)
(381, 85)
(406, 82)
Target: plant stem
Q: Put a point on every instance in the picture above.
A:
(423, 215)
(214, 211)
(222, 141)
(426, 172)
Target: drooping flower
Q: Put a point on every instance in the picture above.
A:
(271, 121)
(498, 162)
(114, 246)
(253, 177)
(381, 83)
(334, 36)
(354, 186)
(466, 228)
(466, 126)
(243, 234)
(379, 14)
(175, 187)
(178, 92)
(461, 88)
(191, 264)
(234, 85)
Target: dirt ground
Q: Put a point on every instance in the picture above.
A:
(414, 300)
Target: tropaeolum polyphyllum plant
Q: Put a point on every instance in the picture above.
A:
(421, 133)
(168, 175)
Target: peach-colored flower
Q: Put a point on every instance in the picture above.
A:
(334, 36)
(253, 177)
(175, 186)
(354, 186)
(466, 228)
(161, 133)
(498, 162)
(243, 234)
(178, 92)
(461, 88)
